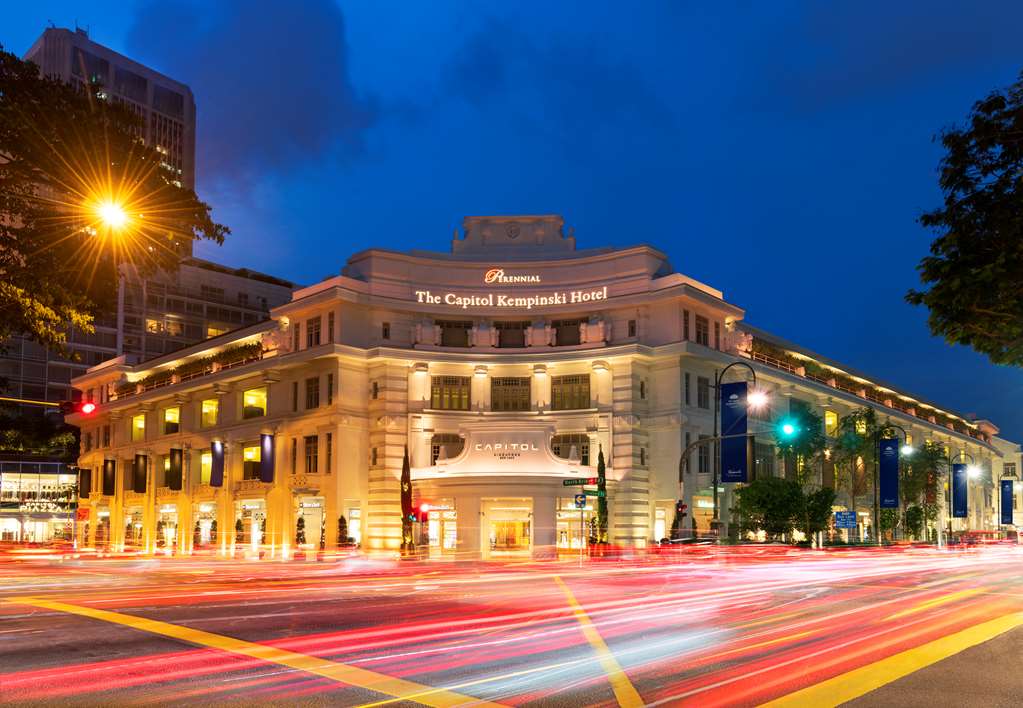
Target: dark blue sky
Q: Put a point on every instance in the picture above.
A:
(779, 151)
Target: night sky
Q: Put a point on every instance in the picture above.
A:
(781, 152)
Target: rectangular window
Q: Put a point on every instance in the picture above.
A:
(688, 389)
(702, 330)
(385, 330)
(251, 457)
(765, 460)
(87, 441)
(330, 453)
(702, 392)
(567, 333)
(312, 454)
(138, 428)
(294, 456)
(830, 423)
(570, 392)
(106, 436)
(562, 446)
(632, 328)
(312, 332)
(205, 466)
(330, 327)
(373, 457)
(209, 409)
(703, 457)
(330, 389)
(1009, 469)
(454, 333)
(296, 337)
(717, 335)
(511, 334)
(312, 392)
(171, 420)
(685, 325)
(294, 396)
(450, 393)
(376, 390)
(689, 462)
(212, 331)
(254, 402)
(510, 393)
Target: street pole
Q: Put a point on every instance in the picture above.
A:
(877, 475)
(716, 462)
(582, 529)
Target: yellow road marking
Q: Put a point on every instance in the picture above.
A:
(858, 682)
(623, 689)
(928, 604)
(342, 673)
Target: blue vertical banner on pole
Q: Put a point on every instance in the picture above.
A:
(959, 490)
(217, 464)
(888, 472)
(266, 458)
(1006, 501)
(734, 465)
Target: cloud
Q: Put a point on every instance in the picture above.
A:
(271, 81)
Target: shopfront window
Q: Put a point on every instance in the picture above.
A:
(171, 420)
(138, 427)
(209, 409)
(562, 446)
(454, 333)
(254, 402)
(450, 393)
(510, 393)
(251, 458)
(511, 334)
(570, 392)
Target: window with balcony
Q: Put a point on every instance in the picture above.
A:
(510, 393)
(208, 411)
(454, 333)
(570, 392)
(171, 420)
(251, 458)
(702, 392)
(702, 330)
(511, 334)
(138, 427)
(312, 332)
(312, 392)
(444, 446)
(254, 402)
(566, 332)
(562, 446)
(450, 393)
(312, 454)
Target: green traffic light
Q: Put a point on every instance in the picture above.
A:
(788, 429)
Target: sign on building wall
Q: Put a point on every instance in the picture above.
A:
(1006, 501)
(888, 471)
(734, 462)
(959, 481)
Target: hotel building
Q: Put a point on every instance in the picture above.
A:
(503, 367)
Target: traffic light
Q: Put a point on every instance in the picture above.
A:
(680, 508)
(83, 407)
(420, 513)
(788, 429)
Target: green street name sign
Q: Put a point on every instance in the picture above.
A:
(595, 493)
(578, 481)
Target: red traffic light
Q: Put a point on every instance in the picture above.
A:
(83, 407)
(87, 408)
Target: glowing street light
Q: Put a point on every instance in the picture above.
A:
(973, 471)
(112, 214)
(757, 400)
(907, 450)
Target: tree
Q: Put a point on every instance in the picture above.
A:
(601, 501)
(300, 531)
(342, 530)
(239, 531)
(197, 535)
(802, 449)
(407, 542)
(817, 510)
(213, 532)
(855, 452)
(971, 280)
(70, 165)
(915, 521)
(770, 503)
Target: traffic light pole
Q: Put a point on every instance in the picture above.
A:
(716, 462)
(877, 476)
(683, 463)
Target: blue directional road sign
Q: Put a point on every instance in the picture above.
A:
(845, 519)
(580, 501)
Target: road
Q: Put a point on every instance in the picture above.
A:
(706, 626)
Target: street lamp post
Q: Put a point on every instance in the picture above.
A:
(948, 495)
(715, 465)
(877, 468)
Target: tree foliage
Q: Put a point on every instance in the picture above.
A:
(971, 279)
(854, 452)
(772, 504)
(808, 444)
(65, 154)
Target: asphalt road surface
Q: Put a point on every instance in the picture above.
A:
(703, 626)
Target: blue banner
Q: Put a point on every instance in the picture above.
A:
(1007, 501)
(266, 458)
(217, 464)
(959, 482)
(888, 472)
(734, 463)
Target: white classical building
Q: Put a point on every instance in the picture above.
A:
(503, 367)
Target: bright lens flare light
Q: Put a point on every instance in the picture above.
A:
(756, 399)
(112, 214)
(973, 471)
(788, 428)
(907, 449)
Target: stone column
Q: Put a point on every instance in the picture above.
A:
(469, 545)
(545, 527)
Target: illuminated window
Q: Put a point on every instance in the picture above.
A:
(171, 420)
(861, 426)
(312, 332)
(831, 423)
(312, 454)
(205, 466)
(214, 331)
(254, 402)
(175, 328)
(509, 393)
(138, 428)
(562, 446)
(154, 326)
(909, 439)
(210, 408)
(450, 444)
(450, 393)
(570, 392)
(251, 458)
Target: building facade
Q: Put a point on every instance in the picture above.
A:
(502, 369)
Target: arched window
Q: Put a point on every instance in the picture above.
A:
(451, 445)
(562, 446)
